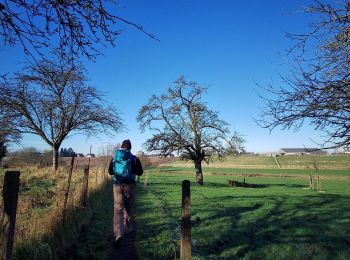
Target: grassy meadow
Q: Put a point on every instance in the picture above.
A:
(279, 218)
(269, 162)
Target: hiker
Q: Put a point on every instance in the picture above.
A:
(124, 167)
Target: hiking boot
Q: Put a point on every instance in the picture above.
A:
(129, 230)
(117, 241)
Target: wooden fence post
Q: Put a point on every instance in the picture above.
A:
(10, 199)
(318, 183)
(85, 188)
(68, 188)
(185, 253)
(310, 182)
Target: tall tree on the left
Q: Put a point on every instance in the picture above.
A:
(52, 99)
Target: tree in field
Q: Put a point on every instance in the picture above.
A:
(181, 122)
(8, 130)
(66, 152)
(78, 27)
(318, 89)
(52, 100)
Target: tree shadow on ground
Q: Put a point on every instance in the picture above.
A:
(226, 185)
(303, 228)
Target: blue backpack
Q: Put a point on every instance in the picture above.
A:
(122, 166)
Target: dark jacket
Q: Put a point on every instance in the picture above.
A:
(136, 167)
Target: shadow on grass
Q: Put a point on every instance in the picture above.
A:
(223, 185)
(309, 227)
(253, 185)
(80, 236)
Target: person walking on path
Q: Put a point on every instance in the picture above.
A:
(124, 167)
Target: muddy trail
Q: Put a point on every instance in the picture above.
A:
(95, 238)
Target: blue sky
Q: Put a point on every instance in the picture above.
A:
(226, 45)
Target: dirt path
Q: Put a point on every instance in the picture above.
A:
(95, 239)
(126, 250)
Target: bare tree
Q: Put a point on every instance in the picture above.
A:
(52, 99)
(8, 129)
(182, 123)
(74, 25)
(318, 89)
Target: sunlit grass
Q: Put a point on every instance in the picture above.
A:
(40, 231)
(281, 218)
(244, 172)
(286, 162)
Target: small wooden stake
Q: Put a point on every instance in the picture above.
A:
(186, 222)
(10, 198)
(310, 182)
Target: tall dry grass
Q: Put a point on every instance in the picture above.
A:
(269, 162)
(41, 232)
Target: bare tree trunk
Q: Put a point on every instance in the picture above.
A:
(199, 173)
(55, 158)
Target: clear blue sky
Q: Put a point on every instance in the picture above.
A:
(226, 45)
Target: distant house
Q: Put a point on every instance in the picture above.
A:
(301, 151)
(80, 155)
(343, 150)
(90, 155)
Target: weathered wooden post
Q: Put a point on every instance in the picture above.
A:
(85, 188)
(314, 181)
(310, 182)
(66, 195)
(318, 183)
(10, 199)
(185, 253)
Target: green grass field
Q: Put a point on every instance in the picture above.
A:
(338, 174)
(281, 218)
